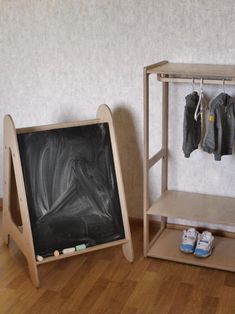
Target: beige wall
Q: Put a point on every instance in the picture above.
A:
(60, 59)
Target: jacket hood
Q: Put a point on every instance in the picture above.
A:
(222, 99)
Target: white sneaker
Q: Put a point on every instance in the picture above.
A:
(204, 245)
(189, 239)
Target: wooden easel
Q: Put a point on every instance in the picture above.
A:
(16, 221)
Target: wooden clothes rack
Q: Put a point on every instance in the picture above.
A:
(16, 220)
(184, 205)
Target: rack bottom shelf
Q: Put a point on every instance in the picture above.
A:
(167, 247)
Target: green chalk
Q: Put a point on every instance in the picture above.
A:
(80, 247)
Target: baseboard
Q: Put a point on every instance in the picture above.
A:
(135, 221)
(139, 221)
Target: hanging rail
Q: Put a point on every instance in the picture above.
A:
(196, 80)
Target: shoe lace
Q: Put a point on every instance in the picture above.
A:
(190, 234)
(205, 237)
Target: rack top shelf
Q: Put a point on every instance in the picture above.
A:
(193, 70)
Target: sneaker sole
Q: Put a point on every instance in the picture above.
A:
(186, 252)
(204, 256)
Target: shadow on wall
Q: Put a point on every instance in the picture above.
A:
(130, 158)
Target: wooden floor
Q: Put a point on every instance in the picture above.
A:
(104, 282)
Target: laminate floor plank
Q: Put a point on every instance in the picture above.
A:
(105, 282)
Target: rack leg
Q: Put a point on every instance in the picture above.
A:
(146, 162)
(165, 136)
(163, 222)
(146, 234)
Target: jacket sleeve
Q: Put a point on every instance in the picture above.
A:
(209, 143)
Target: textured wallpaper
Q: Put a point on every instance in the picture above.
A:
(60, 59)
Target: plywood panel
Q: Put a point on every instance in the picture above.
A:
(195, 206)
(167, 247)
(200, 70)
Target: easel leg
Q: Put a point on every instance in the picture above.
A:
(6, 237)
(128, 251)
(5, 224)
(33, 271)
(6, 195)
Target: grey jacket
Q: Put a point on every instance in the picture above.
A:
(221, 127)
(191, 128)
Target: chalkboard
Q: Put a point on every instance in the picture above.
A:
(71, 187)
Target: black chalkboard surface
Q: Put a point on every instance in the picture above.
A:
(71, 187)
